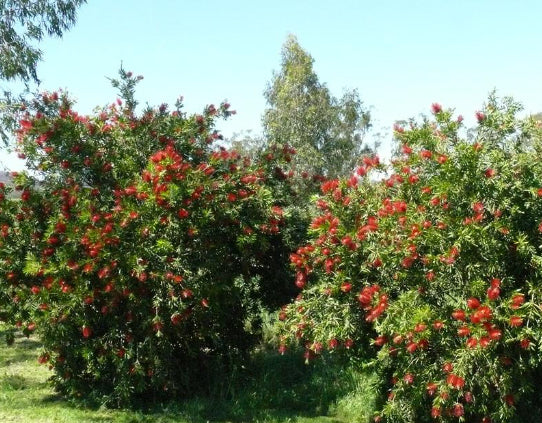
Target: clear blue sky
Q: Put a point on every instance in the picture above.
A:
(401, 55)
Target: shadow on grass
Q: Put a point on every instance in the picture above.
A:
(13, 383)
(272, 388)
(23, 348)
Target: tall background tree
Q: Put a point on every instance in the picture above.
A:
(326, 131)
(23, 24)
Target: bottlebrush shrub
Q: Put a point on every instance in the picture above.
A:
(151, 246)
(438, 263)
(19, 233)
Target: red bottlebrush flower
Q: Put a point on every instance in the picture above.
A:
(458, 410)
(426, 154)
(463, 331)
(182, 213)
(517, 301)
(525, 343)
(409, 378)
(346, 287)
(495, 334)
(447, 367)
(436, 108)
(282, 349)
(506, 361)
(438, 325)
(407, 262)
(495, 282)
(431, 388)
(489, 173)
(86, 331)
(509, 400)
(459, 315)
(44, 358)
(472, 342)
(442, 159)
(365, 296)
(413, 179)
(480, 116)
(300, 280)
(380, 340)
(435, 201)
(397, 339)
(406, 149)
(348, 343)
(333, 343)
(473, 303)
(493, 293)
(420, 327)
(430, 275)
(25, 195)
(411, 347)
(176, 318)
(60, 227)
(435, 412)
(515, 321)
(478, 207)
(455, 381)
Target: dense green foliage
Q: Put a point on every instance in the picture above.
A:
(439, 264)
(144, 256)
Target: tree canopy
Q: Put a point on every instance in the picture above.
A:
(25, 22)
(326, 131)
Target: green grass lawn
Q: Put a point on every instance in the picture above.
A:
(282, 389)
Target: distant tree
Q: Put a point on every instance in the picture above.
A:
(247, 143)
(326, 131)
